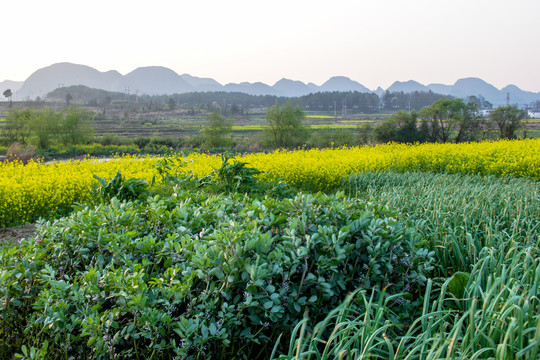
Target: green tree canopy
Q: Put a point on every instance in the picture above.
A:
(217, 131)
(75, 126)
(8, 95)
(45, 127)
(508, 120)
(447, 118)
(285, 126)
(18, 126)
(401, 127)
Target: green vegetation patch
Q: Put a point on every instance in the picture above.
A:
(198, 276)
(332, 126)
(248, 127)
(458, 214)
(483, 300)
(356, 121)
(322, 117)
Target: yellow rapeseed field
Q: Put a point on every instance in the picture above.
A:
(36, 189)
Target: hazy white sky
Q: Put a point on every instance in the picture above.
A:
(372, 42)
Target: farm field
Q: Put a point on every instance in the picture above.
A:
(34, 190)
(191, 126)
(394, 251)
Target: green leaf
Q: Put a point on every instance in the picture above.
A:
(268, 304)
(213, 329)
(91, 340)
(458, 284)
(204, 331)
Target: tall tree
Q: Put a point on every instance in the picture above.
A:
(69, 98)
(401, 127)
(75, 126)
(17, 127)
(508, 120)
(450, 118)
(285, 126)
(217, 132)
(45, 127)
(470, 123)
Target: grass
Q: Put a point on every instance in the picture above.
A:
(484, 305)
(496, 317)
(458, 214)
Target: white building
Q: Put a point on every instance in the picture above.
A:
(534, 114)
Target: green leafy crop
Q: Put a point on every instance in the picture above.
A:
(199, 276)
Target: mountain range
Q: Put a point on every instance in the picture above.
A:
(157, 80)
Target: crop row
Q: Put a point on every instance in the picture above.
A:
(33, 190)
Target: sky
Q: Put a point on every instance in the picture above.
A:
(372, 42)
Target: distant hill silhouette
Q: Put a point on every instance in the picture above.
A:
(292, 87)
(408, 86)
(157, 80)
(14, 86)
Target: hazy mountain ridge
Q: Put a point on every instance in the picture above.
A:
(12, 85)
(158, 80)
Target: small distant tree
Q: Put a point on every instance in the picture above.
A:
(508, 120)
(17, 127)
(45, 127)
(171, 103)
(9, 94)
(365, 133)
(217, 131)
(75, 126)
(401, 127)
(69, 98)
(285, 126)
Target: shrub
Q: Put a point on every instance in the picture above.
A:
(198, 276)
(141, 142)
(110, 139)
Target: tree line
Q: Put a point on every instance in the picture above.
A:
(45, 127)
(446, 120)
(449, 120)
(349, 102)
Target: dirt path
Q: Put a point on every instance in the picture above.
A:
(16, 234)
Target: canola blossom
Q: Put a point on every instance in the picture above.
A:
(36, 189)
(324, 169)
(46, 190)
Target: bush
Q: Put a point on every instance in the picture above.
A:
(198, 276)
(110, 139)
(401, 127)
(141, 142)
(164, 141)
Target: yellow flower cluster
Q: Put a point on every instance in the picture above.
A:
(36, 189)
(324, 169)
